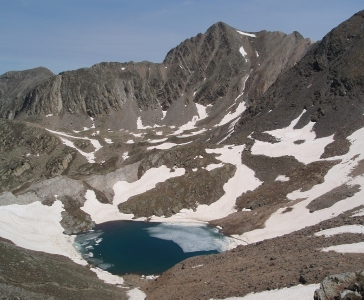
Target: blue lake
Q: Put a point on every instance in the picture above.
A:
(126, 247)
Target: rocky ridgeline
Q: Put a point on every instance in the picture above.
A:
(206, 69)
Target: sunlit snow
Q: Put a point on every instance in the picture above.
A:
(247, 34)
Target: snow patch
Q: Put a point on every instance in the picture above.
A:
(243, 52)
(282, 178)
(360, 213)
(89, 156)
(191, 134)
(125, 155)
(302, 292)
(140, 124)
(37, 227)
(102, 212)
(238, 111)
(247, 34)
(201, 114)
(136, 294)
(107, 277)
(157, 141)
(165, 146)
(346, 248)
(307, 152)
(341, 229)
(214, 166)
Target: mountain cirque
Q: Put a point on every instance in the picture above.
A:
(257, 133)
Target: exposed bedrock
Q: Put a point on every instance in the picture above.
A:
(187, 191)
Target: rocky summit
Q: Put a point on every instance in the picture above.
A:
(258, 134)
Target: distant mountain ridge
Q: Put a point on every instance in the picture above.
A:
(205, 69)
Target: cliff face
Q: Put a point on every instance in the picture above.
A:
(14, 86)
(207, 69)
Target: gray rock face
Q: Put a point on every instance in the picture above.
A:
(14, 85)
(342, 286)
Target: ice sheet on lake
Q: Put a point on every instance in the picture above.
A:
(190, 237)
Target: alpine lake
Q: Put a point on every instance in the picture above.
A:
(147, 248)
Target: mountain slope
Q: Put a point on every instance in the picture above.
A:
(233, 128)
(327, 83)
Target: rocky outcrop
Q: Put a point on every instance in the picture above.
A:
(74, 220)
(187, 191)
(27, 274)
(341, 286)
(14, 86)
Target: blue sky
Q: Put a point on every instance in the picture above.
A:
(69, 34)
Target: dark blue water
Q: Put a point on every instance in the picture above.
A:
(123, 247)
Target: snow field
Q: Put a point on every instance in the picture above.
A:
(307, 152)
(302, 292)
(279, 224)
(36, 227)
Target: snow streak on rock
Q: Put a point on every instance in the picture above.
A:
(247, 34)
